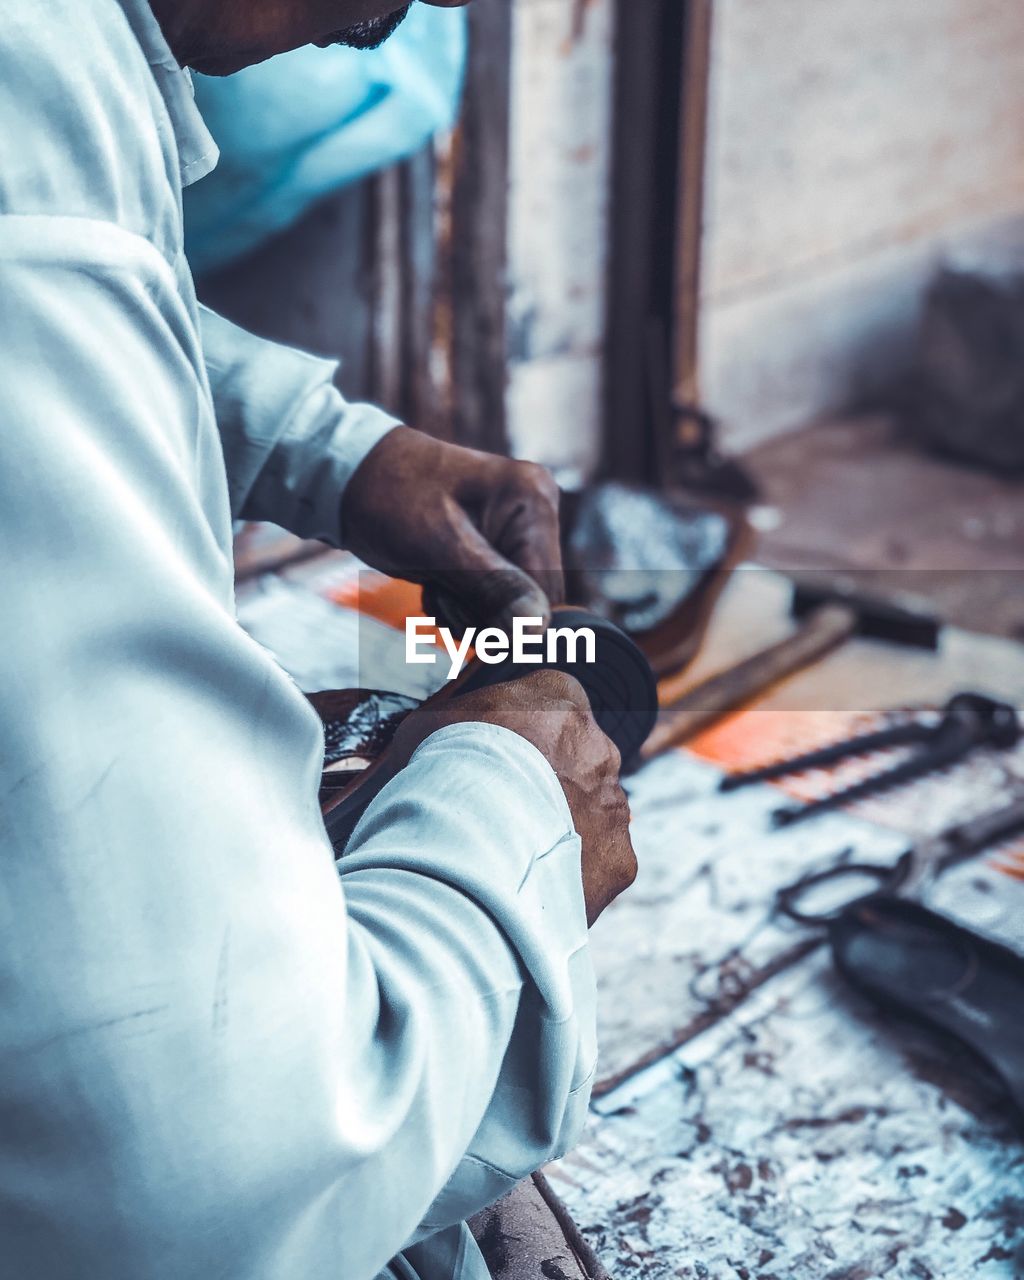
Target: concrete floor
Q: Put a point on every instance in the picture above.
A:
(851, 495)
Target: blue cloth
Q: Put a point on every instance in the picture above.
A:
(306, 123)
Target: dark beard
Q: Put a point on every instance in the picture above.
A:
(372, 33)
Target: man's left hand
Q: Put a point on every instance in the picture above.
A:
(478, 530)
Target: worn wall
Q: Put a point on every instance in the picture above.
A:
(853, 143)
(559, 188)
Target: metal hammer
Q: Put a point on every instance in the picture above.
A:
(829, 616)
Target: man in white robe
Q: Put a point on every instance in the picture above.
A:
(220, 1055)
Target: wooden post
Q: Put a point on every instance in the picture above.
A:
(662, 49)
(477, 249)
(693, 134)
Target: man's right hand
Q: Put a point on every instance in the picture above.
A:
(551, 711)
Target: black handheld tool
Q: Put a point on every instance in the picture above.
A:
(969, 721)
(619, 685)
(903, 621)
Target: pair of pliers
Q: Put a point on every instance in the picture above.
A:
(917, 867)
(968, 721)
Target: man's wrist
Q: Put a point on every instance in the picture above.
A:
(539, 782)
(364, 427)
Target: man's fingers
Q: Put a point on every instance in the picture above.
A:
(482, 529)
(472, 600)
(481, 584)
(521, 521)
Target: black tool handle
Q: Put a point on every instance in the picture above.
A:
(983, 832)
(898, 735)
(619, 685)
(921, 763)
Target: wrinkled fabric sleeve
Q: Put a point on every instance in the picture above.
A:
(219, 1056)
(468, 786)
(291, 440)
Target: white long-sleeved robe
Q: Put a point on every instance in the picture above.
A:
(218, 1057)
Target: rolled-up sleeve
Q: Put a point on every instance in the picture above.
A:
(291, 440)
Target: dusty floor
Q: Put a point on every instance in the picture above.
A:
(851, 495)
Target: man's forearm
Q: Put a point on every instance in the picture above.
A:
(291, 440)
(463, 879)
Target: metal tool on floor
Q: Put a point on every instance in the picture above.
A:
(968, 722)
(913, 870)
(918, 962)
(829, 617)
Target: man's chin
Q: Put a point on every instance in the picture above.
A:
(362, 35)
(225, 66)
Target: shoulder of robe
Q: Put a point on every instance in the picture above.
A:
(83, 129)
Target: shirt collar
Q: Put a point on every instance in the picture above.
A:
(197, 151)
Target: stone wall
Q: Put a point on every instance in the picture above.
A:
(853, 144)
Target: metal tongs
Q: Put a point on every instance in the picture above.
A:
(968, 721)
(917, 867)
